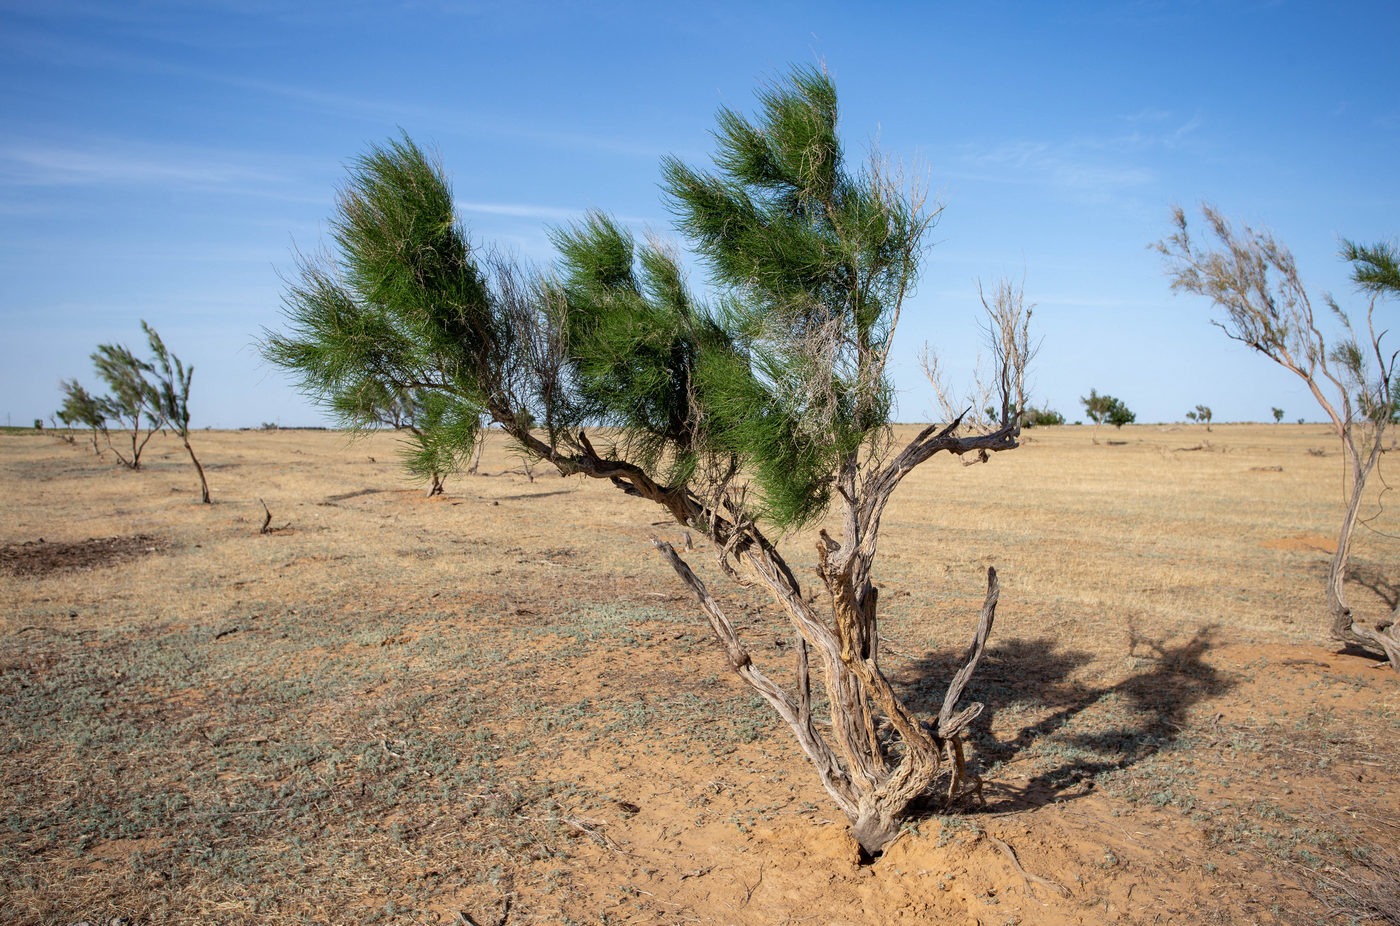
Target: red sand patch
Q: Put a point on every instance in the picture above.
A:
(1303, 541)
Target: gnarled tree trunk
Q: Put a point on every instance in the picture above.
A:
(1345, 628)
(880, 759)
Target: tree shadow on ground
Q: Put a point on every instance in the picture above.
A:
(1089, 730)
(1370, 578)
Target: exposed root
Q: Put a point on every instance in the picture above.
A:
(1026, 876)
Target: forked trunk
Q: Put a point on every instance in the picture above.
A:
(875, 783)
(874, 828)
(1336, 574)
(1345, 628)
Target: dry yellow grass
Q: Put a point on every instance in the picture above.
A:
(500, 706)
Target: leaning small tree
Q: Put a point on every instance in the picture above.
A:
(80, 407)
(1202, 414)
(751, 416)
(1255, 280)
(132, 399)
(173, 398)
(442, 432)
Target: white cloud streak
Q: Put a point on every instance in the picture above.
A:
(69, 53)
(522, 210)
(54, 165)
(1099, 165)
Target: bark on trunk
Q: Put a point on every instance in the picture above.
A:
(1345, 628)
(476, 457)
(203, 483)
(878, 759)
(857, 768)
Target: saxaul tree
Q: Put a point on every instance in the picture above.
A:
(172, 397)
(435, 445)
(153, 394)
(132, 400)
(81, 407)
(1254, 279)
(744, 417)
(1106, 408)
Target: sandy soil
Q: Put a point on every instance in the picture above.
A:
(499, 706)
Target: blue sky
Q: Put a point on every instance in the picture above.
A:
(160, 160)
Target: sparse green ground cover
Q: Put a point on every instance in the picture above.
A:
(499, 707)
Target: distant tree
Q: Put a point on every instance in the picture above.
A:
(81, 408)
(1007, 334)
(1255, 280)
(441, 432)
(132, 399)
(1105, 408)
(173, 398)
(756, 413)
(1278, 415)
(1041, 417)
(1201, 414)
(480, 445)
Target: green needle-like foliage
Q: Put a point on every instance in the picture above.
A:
(155, 392)
(172, 390)
(81, 407)
(440, 431)
(1375, 268)
(764, 405)
(783, 379)
(813, 262)
(132, 399)
(404, 312)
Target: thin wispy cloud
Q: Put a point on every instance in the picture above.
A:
(388, 109)
(53, 165)
(1188, 127)
(1147, 115)
(1040, 163)
(522, 210)
(1099, 165)
(402, 112)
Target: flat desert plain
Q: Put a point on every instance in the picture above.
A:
(500, 706)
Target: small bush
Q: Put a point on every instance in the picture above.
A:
(1041, 417)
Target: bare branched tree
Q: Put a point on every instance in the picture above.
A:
(1255, 280)
(997, 396)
